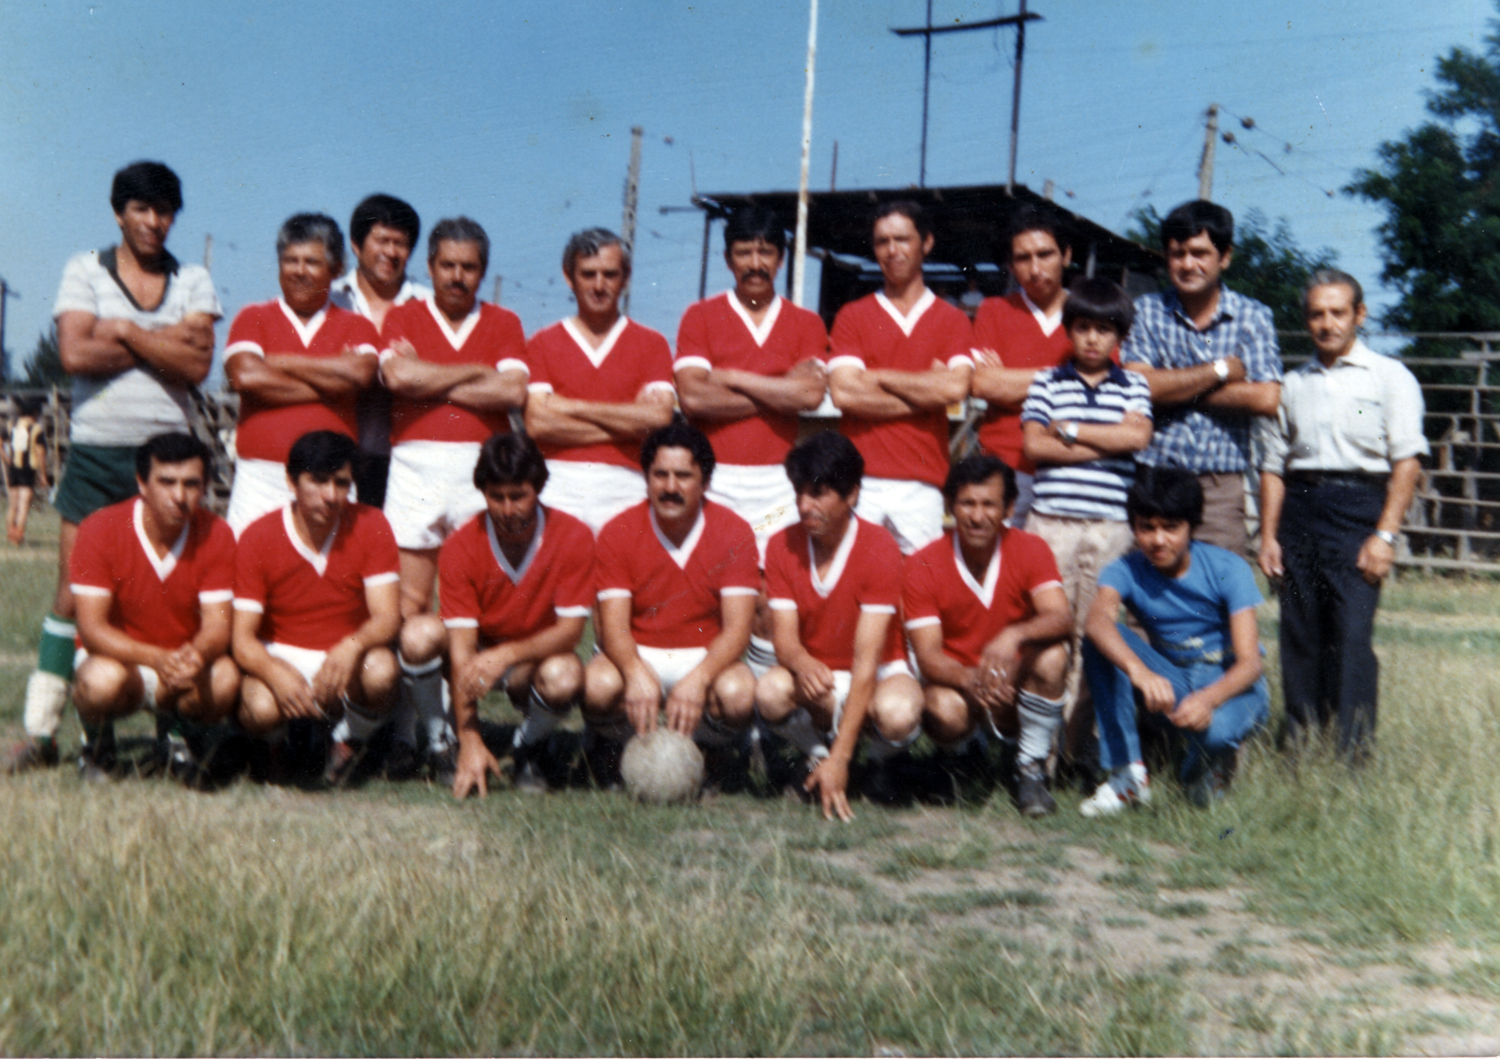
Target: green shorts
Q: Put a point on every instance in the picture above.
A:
(95, 477)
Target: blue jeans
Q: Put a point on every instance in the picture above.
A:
(1115, 706)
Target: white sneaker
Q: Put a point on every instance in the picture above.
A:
(1125, 787)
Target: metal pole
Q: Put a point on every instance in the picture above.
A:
(926, 89)
(799, 256)
(1015, 98)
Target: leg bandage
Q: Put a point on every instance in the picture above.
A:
(46, 698)
(1040, 720)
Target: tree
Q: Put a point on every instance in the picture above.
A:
(1268, 266)
(44, 367)
(1440, 189)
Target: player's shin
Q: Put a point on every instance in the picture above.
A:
(422, 687)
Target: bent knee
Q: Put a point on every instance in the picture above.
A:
(558, 678)
(775, 695)
(102, 686)
(896, 709)
(423, 638)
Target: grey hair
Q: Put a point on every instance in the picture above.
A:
(590, 242)
(1332, 277)
(314, 228)
(459, 230)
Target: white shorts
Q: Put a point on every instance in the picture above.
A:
(842, 678)
(150, 681)
(911, 510)
(303, 659)
(260, 487)
(591, 492)
(761, 495)
(430, 492)
(671, 664)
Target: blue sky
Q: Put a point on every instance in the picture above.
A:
(519, 114)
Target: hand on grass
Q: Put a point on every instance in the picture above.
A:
(475, 765)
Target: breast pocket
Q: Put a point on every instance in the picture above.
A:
(1363, 424)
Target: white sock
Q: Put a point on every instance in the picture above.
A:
(46, 698)
(341, 732)
(882, 749)
(422, 686)
(540, 721)
(361, 725)
(1040, 720)
(799, 730)
(761, 656)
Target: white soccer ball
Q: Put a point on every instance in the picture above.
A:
(662, 768)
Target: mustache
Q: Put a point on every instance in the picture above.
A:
(758, 273)
(672, 498)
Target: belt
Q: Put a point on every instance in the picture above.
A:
(1346, 479)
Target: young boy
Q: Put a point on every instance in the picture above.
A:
(1081, 424)
(1201, 671)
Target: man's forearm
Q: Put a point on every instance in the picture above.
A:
(927, 391)
(1405, 474)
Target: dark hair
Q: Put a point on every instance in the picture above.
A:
(678, 434)
(589, 243)
(1333, 277)
(1165, 492)
(1097, 298)
(749, 223)
(314, 228)
(387, 210)
(459, 230)
(825, 460)
(1031, 218)
(322, 454)
(148, 182)
(1200, 215)
(912, 211)
(172, 448)
(509, 459)
(976, 468)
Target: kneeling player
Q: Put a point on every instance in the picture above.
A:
(835, 582)
(515, 587)
(154, 579)
(316, 605)
(678, 579)
(988, 621)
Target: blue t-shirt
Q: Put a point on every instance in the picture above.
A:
(1187, 618)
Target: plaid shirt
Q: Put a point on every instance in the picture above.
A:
(1202, 440)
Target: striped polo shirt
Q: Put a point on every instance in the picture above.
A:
(1093, 490)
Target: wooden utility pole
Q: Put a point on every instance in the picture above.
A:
(799, 246)
(1017, 20)
(5, 296)
(632, 198)
(208, 252)
(1206, 163)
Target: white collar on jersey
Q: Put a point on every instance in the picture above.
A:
(308, 331)
(1047, 323)
(681, 555)
(596, 356)
(456, 339)
(986, 591)
(517, 573)
(347, 288)
(825, 586)
(907, 323)
(762, 331)
(162, 564)
(317, 559)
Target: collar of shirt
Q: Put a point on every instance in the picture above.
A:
(347, 295)
(1361, 356)
(1068, 369)
(1227, 309)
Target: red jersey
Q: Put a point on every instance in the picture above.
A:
(306, 598)
(718, 333)
(266, 431)
(479, 589)
(675, 592)
(1009, 327)
(153, 600)
(489, 335)
(867, 334)
(864, 577)
(630, 360)
(941, 590)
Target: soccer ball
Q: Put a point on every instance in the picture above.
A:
(662, 768)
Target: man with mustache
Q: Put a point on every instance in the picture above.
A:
(297, 364)
(599, 384)
(456, 368)
(677, 587)
(748, 363)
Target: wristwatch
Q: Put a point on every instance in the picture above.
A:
(1069, 433)
(1221, 369)
(1387, 536)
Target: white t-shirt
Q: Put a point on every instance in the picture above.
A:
(129, 408)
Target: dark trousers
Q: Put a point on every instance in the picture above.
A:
(1328, 666)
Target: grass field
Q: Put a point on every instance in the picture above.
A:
(1315, 911)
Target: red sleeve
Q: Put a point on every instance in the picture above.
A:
(245, 329)
(919, 595)
(218, 558)
(362, 331)
(89, 565)
(613, 558)
(692, 334)
(249, 570)
(881, 585)
(457, 597)
(576, 588)
(536, 359)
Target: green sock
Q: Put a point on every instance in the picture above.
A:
(55, 653)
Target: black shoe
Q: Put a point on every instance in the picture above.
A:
(968, 773)
(343, 759)
(602, 756)
(879, 784)
(401, 762)
(442, 764)
(1032, 796)
(526, 772)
